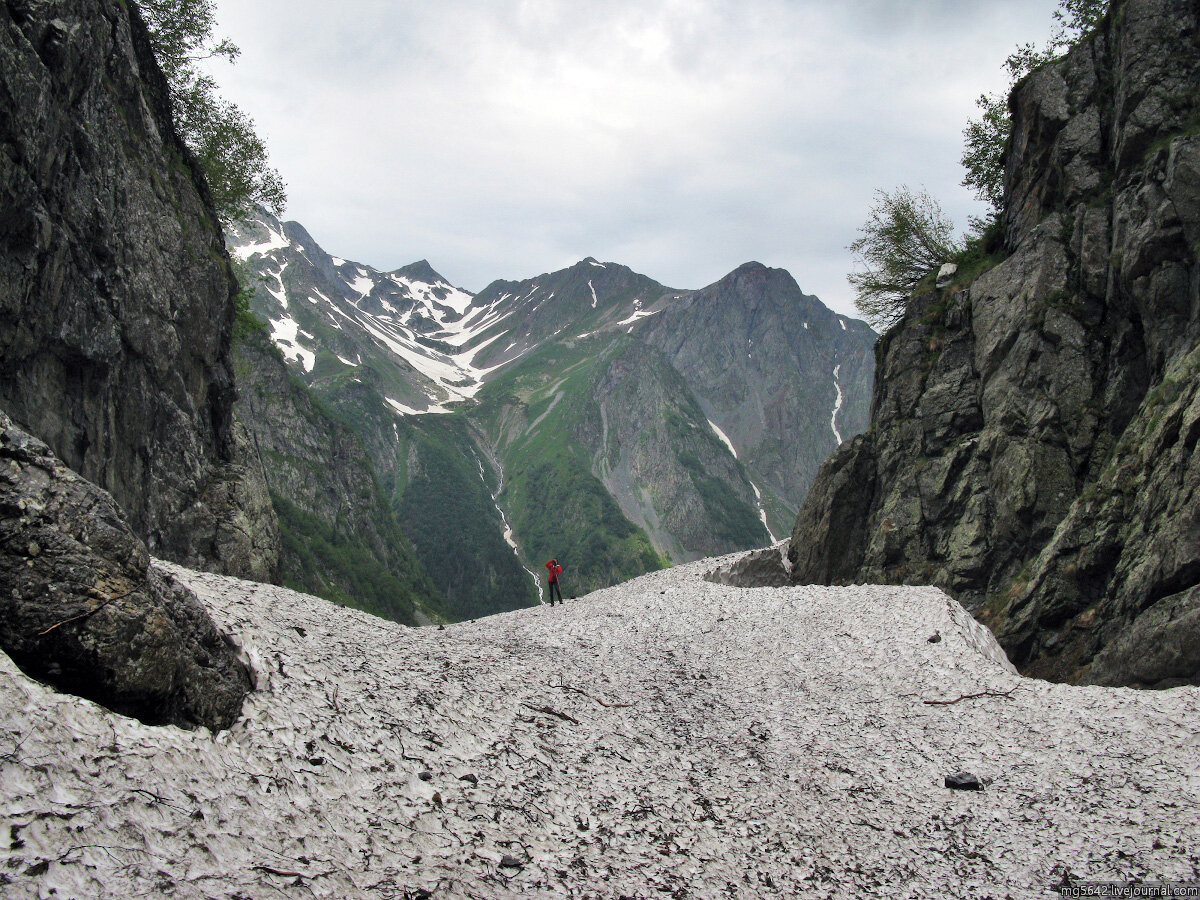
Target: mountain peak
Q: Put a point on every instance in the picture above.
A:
(753, 267)
(421, 271)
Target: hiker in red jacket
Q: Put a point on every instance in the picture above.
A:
(554, 570)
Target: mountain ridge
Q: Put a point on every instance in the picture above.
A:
(707, 466)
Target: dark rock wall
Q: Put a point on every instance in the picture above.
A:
(115, 289)
(1033, 433)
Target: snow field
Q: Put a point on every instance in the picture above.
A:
(837, 405)
(665, 735)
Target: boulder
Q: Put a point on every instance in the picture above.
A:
(82, 609)
(759, 568)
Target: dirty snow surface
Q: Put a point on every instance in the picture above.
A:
(667, 737)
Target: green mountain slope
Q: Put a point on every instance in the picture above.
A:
(589, 414)
(339, 535)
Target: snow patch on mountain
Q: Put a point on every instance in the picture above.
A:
(405, 409)
(837, 405)
(284, 332)
(762, 511)
(723, 436)
(638, 313)
(275, 241)
(362, 284)
(281, 294)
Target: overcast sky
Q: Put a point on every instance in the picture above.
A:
(679, 137)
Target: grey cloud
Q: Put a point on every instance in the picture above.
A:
(680, 137)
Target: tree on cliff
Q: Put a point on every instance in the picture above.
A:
(986, 137)
(232, 155)
(906, 236)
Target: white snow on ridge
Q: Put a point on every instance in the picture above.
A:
(638, 313)
(723, 436)
(283, 334)
(453, 374)
(362, 284)
(777, 735)
(274, 241)
(411, 411)
(281, 294)
(456, 300)
(596, 264)
(837, 405)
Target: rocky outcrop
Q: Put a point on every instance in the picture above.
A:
(767, 567)
(116, 307)
(340, 537)
(1033, 432)
(82, 609)
(784, 377)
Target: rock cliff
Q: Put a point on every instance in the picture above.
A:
(116, 308)
(1032, 446)
(339, 534)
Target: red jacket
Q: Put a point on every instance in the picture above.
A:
(553, 570)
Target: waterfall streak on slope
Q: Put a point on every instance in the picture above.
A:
(837, 405)
(762, 511)
(509, 537)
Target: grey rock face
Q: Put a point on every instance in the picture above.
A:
(1032, 439)
(1159, 650)
(116, 307)
(81, 608)
(759, 568)
(663, 464)
(770, 365)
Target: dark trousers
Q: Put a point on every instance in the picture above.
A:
(554, 589)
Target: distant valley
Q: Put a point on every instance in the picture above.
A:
(590, 414)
